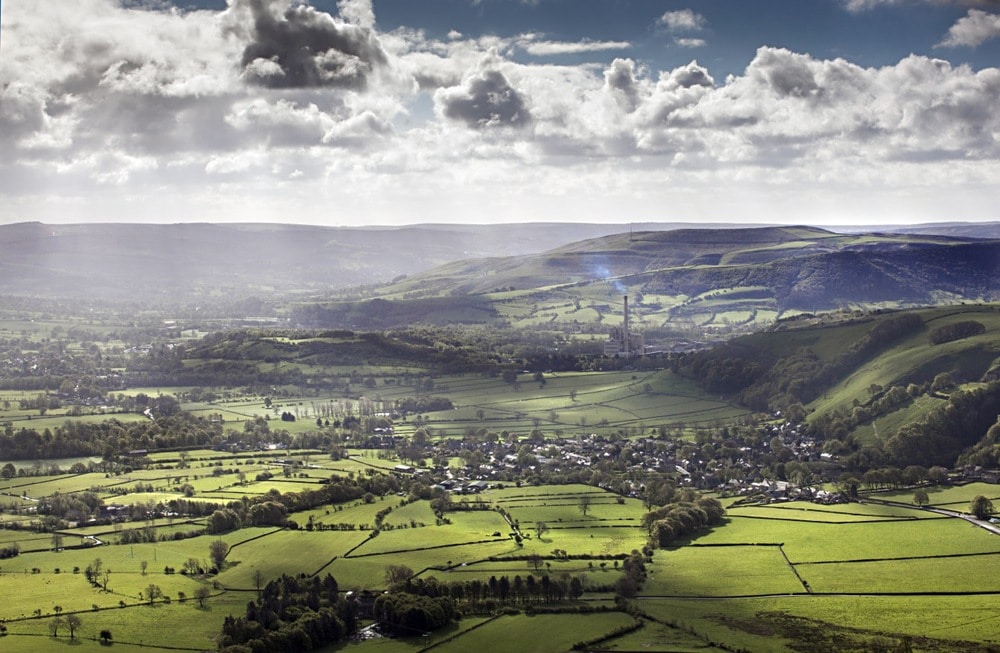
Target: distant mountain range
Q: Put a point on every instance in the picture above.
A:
(523, 273)
(707, 278)
(191, 260)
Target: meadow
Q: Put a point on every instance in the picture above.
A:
(798, 568)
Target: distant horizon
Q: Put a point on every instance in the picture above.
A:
(609, 223)
(389, 112)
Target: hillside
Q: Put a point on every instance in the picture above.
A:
(192, 261)
(705, 280)
(901, 387)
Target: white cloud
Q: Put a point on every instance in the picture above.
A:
(359, 12)
(690, 43)
(972, 30)
(160, 104)
(858, 6)
(683, 20)
(548, 48)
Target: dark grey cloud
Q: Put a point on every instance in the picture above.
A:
(486, 99)
(296, 46)
(788, 75)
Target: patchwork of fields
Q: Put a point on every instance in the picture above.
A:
(770, 577)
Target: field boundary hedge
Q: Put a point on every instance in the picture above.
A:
(422, 548)
(452, 638)
(255, 537)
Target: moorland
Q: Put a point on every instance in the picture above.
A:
(288, 449)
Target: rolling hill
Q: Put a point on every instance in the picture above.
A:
(707, 279)
(906, 387)
(195, 261)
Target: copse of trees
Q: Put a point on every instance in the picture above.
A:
(944, 432)
(111, 437)
(292, 614)
(406, 614)
(956, 331)
(674, 521)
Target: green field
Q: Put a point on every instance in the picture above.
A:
(773, 574)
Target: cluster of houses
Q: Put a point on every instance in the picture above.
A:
(740, 464)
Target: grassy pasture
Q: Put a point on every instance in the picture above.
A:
(926, 575)
(418, 511)
(538, 633)
(134, 628)
(838, 513)
(590, 570)
(807, 541)
(911, 411)
(408, 539)
(663, 639)
(620, 398)
(368, 571)
(953, 497)
(43, 486)
(824, 543)
(735, 571)
(756, 624)
(29, 539)
(967, 359)
(47, 590)
(270, 555)
(358, 513)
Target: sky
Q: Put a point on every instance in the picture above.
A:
(387, 112)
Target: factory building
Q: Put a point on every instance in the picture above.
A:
(622, 342)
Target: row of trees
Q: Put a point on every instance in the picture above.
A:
(272, 508)
(108, 438)
(674, 521)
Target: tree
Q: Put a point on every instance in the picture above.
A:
(143, 566)
(397, 575)
(153, 592)
(57, 541)
(201, 594)
(217, 551)
(73, 622)
(981, 507)
(920, 498)
(938, 474)
(942, 381)
(93, 571)
(585, 504)
(105, 636)
(55, 625)
(541, 528)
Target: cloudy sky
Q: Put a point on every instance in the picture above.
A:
(363, 112)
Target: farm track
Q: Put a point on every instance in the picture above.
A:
(992, 528)
(927, 557)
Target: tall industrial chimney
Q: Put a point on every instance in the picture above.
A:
(625, 334)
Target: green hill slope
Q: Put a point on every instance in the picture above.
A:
(901, 387)
(697, 280)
